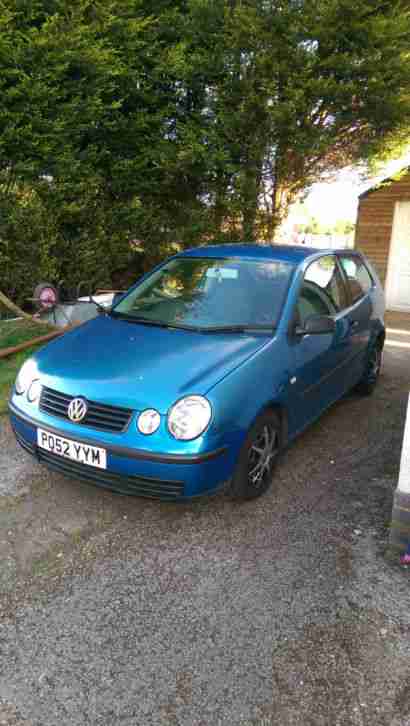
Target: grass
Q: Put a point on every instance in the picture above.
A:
(13, 333)
(19, 331)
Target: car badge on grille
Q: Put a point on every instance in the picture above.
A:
(77, 409)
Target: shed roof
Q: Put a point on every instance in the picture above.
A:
(385, 182)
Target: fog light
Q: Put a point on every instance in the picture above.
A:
(149, 421)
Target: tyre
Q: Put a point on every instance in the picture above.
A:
(371, 374)
(257, 458)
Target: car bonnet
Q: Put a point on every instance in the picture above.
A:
(137, 366)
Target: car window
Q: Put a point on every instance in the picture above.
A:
(359, 279)
(323, 291)
(209, 292)
(311, 302)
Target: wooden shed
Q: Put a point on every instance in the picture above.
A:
(383, 234)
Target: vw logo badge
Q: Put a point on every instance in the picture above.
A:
(77, 409)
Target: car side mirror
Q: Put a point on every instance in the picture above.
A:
(317, 325)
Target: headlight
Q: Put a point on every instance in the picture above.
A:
(34, 392)
(189, 417)
(148, 421)
(27, 373)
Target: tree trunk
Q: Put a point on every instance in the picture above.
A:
(248, 224)
(250, 197)
(35, 341)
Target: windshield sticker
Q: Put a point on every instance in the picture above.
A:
(222, 273)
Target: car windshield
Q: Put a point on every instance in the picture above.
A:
(209, 294)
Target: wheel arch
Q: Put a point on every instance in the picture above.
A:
(381, 338)
(282, 413)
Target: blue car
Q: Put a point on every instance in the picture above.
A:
(203, 372)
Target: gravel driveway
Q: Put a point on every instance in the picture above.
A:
(121, 611)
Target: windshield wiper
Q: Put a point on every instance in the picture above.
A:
(238, 329)
(148, 321)
(194, 328)
(135, 319)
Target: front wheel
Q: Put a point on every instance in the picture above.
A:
(257, 458)
(371, 374)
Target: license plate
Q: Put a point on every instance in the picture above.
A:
(74, 450)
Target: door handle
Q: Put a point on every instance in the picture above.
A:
(353, 324)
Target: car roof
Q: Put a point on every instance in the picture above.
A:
(281, 253)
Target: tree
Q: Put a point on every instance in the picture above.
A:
(177, 122)
(79, 126)
(309, 88)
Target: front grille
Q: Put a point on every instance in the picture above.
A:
(137, 485)
(99, 416)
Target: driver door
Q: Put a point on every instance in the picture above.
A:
(320, 362)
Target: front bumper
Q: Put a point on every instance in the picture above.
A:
(131, 471)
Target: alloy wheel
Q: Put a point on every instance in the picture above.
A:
(262, 455)
(375, 364)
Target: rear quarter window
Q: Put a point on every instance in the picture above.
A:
(358, 276)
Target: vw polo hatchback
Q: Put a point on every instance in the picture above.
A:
(203, 371)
